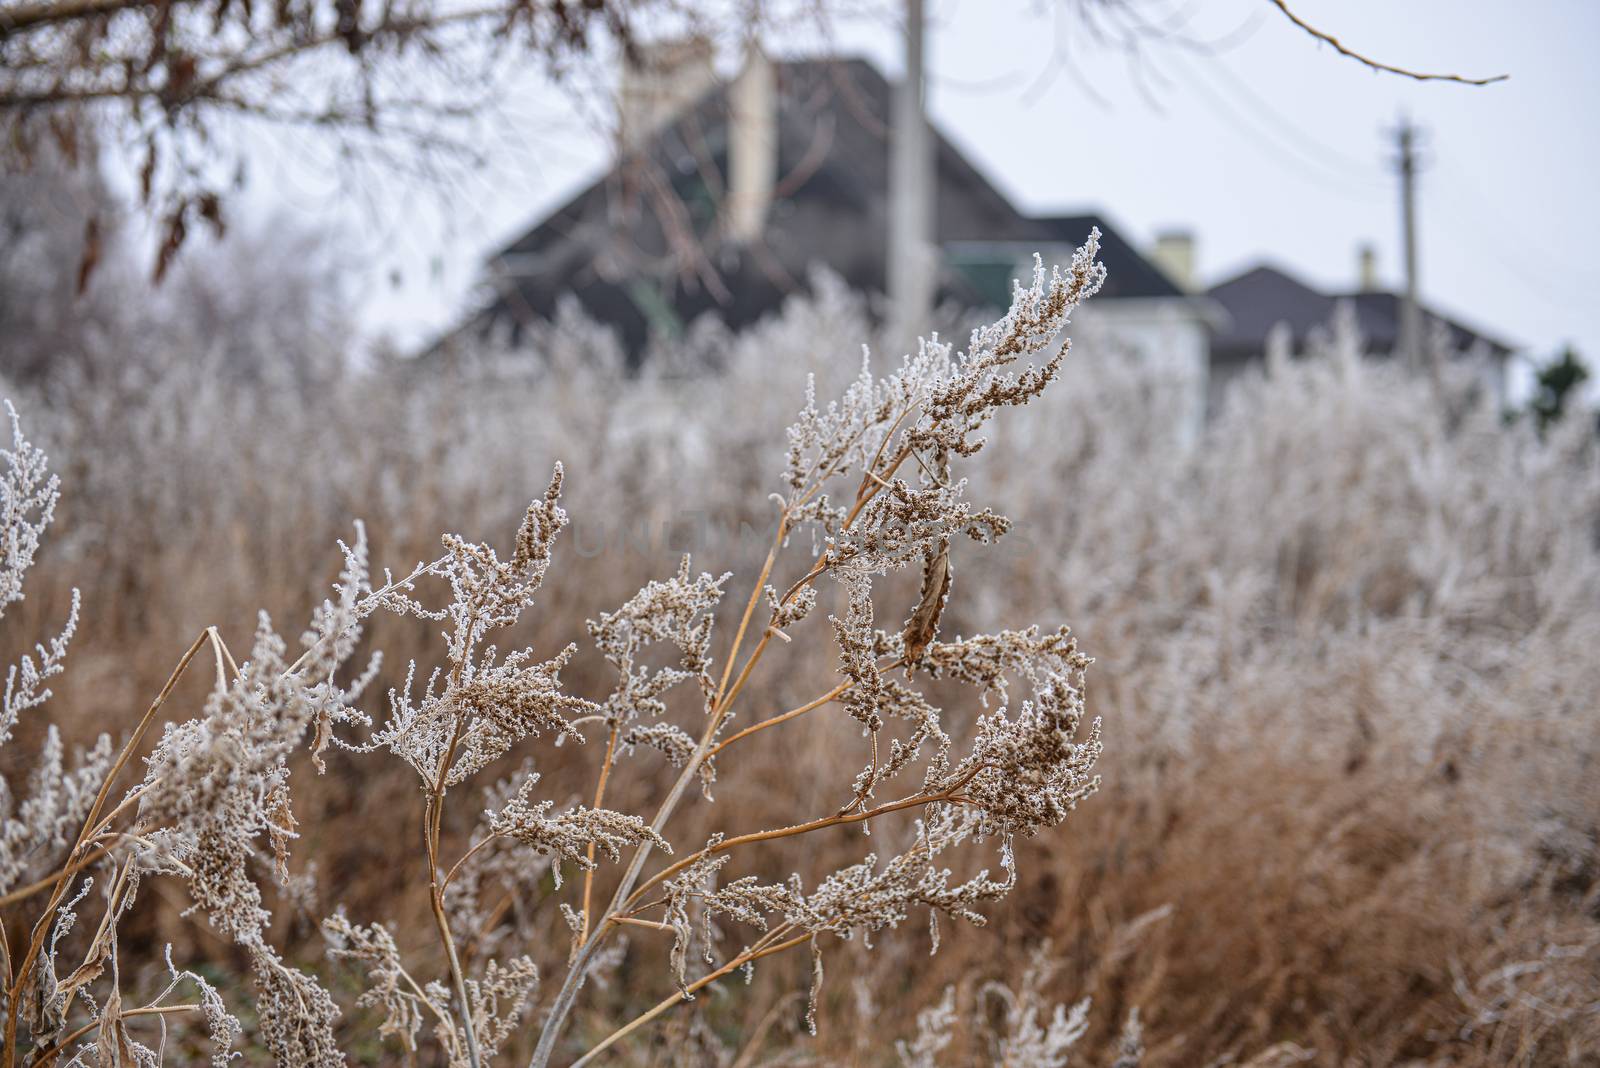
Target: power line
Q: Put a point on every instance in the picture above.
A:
(1315, 170)
(1358, 170)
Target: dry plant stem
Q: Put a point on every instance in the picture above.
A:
(442, 921)
(113, 903)
(750, 606)
(588, 875)
(51, 1052)
(22, 893)
(433, 817)
(42, 927)
(421, 569)
(636, 922)
(92, 841)
(219, 649)
(639, 1021)
(450, 875)
(764, 946)
(788, 832)
(782, 718)
(578, 970)
(758, 1034)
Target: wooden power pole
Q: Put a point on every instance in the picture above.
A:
(911, 257)
(1406, 137)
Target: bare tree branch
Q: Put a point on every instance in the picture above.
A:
(1329, 39)
(172, 80)
(30, 16)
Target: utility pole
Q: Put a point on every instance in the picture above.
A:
(911, 258)
(1406, 137)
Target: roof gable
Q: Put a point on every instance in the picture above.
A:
(1128, 272)
(1264, 296)
(609, 245)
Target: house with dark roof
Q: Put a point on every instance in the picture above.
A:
(1267, 298)
(726, 193)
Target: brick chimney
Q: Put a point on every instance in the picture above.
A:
(752, 146)
(1367, 269)
(1174, 254)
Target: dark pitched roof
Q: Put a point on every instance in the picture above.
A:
(1264, 296)
(609, 245)
(1128, 272)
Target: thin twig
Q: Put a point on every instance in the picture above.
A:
(24, 892)
(45, 882)
(636, 922)
(750, 606)
(42, 927)
(54, 1050)
(421, 570)
(433, 817)
(639, 1021)
(588, 874)
(1332, 41)
(789, 832)
(456, 867)
(773, 721)
(752, 1044)
(577, 971)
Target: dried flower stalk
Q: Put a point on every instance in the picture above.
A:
(874, 477)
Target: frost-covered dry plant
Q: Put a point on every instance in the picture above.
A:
(1025, 1029)
(1344, 649)
(873, 487)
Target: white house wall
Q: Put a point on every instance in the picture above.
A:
(1169, 334)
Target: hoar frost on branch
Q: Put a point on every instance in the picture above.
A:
(872, 483)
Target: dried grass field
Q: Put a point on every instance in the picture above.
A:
(1327, 792)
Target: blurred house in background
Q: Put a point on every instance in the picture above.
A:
(727, 193)
(1265, 298)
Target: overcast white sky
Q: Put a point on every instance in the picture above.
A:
(1271, 147)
